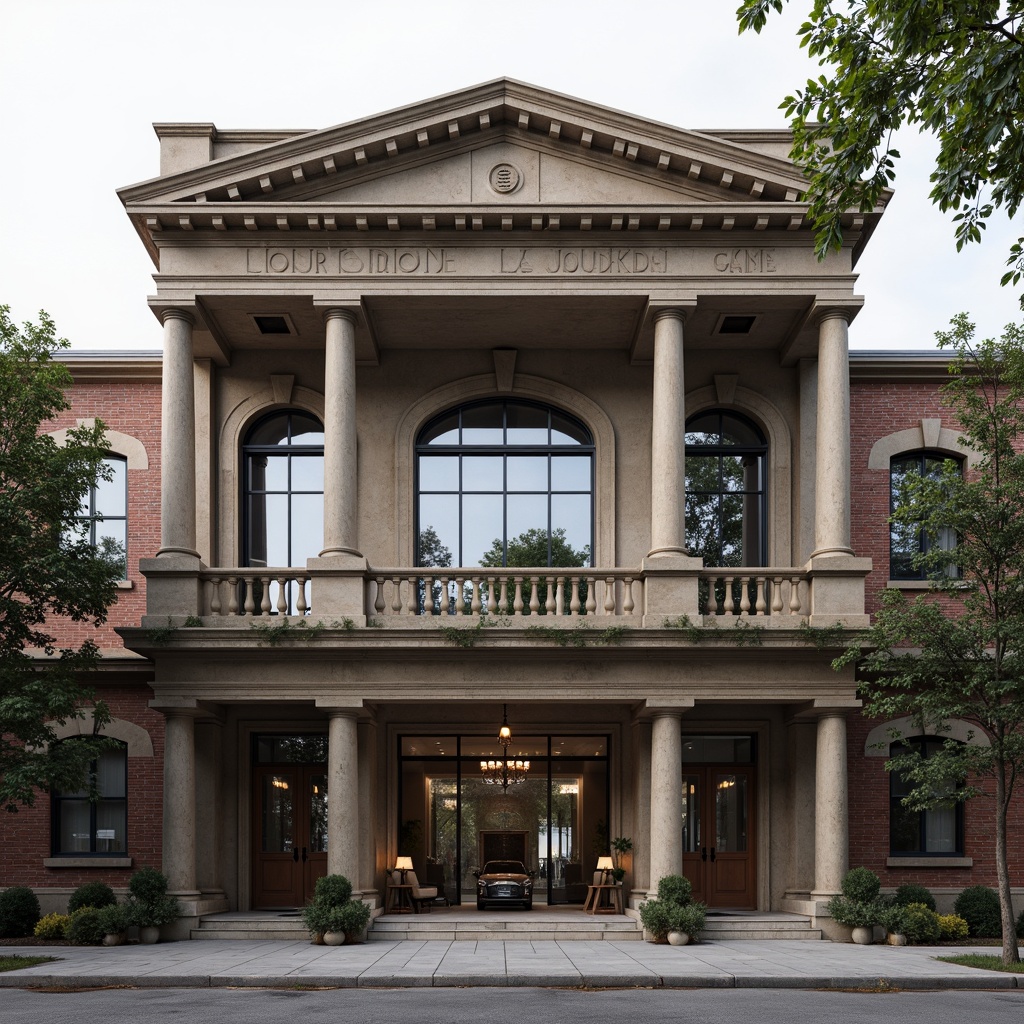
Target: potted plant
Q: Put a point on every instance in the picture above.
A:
(673, 913)
(332, 916)
(149, 905)
(621, 845)
(114, 922)
(893, 919)
(858, 906)
(686, 923)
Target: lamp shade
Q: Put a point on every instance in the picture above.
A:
(403, 864)
(604, 864)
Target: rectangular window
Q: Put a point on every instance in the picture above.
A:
(85, 827)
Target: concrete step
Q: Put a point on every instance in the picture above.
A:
(447, 928)
(793, 927)
(226, 926)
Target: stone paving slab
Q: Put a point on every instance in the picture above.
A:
(520, 962)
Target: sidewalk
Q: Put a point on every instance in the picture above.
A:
(775, 964)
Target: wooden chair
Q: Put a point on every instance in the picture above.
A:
(422, 895)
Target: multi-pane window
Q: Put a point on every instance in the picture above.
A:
(85, 826)
(284, 490)
(505, 483)
(936, 831)
(103, 512)
(908, 541)
(725, 489)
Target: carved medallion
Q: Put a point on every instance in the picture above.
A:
(505, 178)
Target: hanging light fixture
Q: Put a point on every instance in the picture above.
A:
(508, 771)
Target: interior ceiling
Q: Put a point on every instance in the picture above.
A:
(446, 322)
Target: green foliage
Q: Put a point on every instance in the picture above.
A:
(656, 917)
(953, 928)
(921, 925)
(52, 926)
(853, 913)
(351, 919)
(1019, 929)
(272, 635)
(953, 70)
(893, 918)
(335, 890)
(742, 633)
(689, 918)
(148, 904)
(84, 927)
(983, 961)
(861, 885)
(91, 894)
(114, 919)
(193, 622)
(910, 893)
(19, 912)
(531, 550)
(48, 568)
(933, 660)
(332, 908)
(17, 963)
(675, 890)
(580, 635)
(978, 905)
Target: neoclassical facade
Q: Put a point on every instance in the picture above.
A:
(504, 403)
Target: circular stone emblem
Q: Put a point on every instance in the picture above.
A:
(505, 178)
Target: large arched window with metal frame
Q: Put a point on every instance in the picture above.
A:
(504, 482)
(726, 489)
(283, 499)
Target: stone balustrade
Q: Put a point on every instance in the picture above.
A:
(255, 592)
(754, 592)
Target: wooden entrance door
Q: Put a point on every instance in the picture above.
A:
(718, 835)
(290, 832)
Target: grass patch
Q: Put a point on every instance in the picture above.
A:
(15, 963)
(986, 961)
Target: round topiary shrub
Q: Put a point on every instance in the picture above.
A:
(92, 894)
(148, 885)
(52, 926)
(907, 894)
(978, 905)
(921, 925)
(333, 890)
(861, 885)
(656, 917)
(85, 927)
(19, 912)
(675, 890)
(952, 928)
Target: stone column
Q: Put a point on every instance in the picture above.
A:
(666, 797)
(668, 442)
(340, 434)
(179, 832)
(209, 739)
(178, 439)
(367, 806)
(831, 819)
(343, 795)
(832, 457)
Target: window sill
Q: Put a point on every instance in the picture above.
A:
(87, 862)
(930, 862)
(125, 585)
(909, 585)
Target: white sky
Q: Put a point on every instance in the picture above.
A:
(81, 83)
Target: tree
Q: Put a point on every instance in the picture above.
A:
(954, 70)
(957, 652)
(47, 569)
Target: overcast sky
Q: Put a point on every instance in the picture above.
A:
(81, 83)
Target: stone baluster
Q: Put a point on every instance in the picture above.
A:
(591, 595)
(517, 602)
(492, 595)
(412, 605)
(794, 596)
(744, 595)
(265, 605)
(560, 595)
(300, 601)
(428, 595)
(549, 595)
(574, 598)
(232, 595)
(534, 595)
(627, 596)
(283, 583)
(378, 601)
(777, 595)
(762, 605)
(609, 595)
(215, 595)
(250, 597)
(444, 598)
(476, 605)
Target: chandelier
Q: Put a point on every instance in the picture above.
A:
(508, 771)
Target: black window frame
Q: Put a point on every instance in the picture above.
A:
(59, 800)
(899, 568)
(503, 450)
(96, 516)
(896, 807)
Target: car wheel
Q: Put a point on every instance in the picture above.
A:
(480, 904)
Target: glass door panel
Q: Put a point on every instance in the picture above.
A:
(278, 831)
(730, 813)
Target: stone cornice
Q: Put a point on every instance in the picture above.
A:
(97, 366)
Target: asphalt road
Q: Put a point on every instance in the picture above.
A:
(506, 1006)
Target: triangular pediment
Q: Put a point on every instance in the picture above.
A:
(429, 152)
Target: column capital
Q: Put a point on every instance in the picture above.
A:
(177, 313)
(844, 310)
(349, 313)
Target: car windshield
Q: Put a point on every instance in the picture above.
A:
(504, 867)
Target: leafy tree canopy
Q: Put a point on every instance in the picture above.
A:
(954, 69)
(48, 568)
(530, 549)
(958, 651)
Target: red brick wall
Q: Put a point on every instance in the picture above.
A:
(25, 836)
(131, 407)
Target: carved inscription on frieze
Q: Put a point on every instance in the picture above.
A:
(745, 261)
(310, 261)
(585, 261)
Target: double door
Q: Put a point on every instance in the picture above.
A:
(718, 840)
(290, 832)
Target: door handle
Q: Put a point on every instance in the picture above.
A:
(303, 855)
(295, 855)
(712, 855)
(704, 853)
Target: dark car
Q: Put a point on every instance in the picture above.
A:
(504, 881)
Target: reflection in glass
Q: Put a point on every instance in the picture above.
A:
(730, 813)
(278, 814)
(909, 541)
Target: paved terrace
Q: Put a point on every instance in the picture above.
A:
(739, 964)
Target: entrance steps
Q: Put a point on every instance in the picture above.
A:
(263, 925)
(730, 925)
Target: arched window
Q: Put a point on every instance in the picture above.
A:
(726, 507)
(908, 541)
(283, 460)
(103, 512)
(84, 826)
(937, 831)
(504, 483)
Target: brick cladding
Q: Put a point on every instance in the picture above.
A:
(25, 836)
(130, 407)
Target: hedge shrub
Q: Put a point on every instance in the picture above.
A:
(92, 894)
(19, 912)
(978, 905)
(910, 893)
